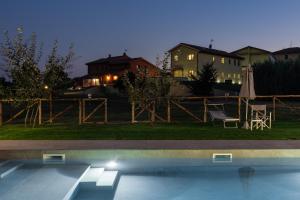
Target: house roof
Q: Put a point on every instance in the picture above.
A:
(250, 47)
(112, 60)
(208, 50)
(288, 51)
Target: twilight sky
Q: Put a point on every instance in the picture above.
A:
(147, 28)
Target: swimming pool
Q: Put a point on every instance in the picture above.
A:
(155, 178)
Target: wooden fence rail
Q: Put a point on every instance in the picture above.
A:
(276, 103)
(82, 118)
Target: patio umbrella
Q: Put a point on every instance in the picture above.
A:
(247, 89)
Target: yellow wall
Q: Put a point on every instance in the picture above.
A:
(223, 70)
(187, 65)
(201, 59)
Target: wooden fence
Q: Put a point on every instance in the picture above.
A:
(276, 102)
(88, 109)
(83, 115)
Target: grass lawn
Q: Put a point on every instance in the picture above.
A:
(180, 131)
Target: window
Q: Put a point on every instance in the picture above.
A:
(223, 60)
(233, 75)
(286, 57)
(234, 62)
(238, 62)
(190, 57)
(229, 61)
(95, 81)
(239, 76)
(191, 72)
(115, 77)
(222, 74)
(229, 75)
(108, 77)
(176, 57)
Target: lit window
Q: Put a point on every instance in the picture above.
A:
(213, 59)
(108, 78)
(234, 75)
(190, 57)
(191, 72)
(239, 76)
(115, 77)
(95, 81)
(229, 75)
(222, 60)
(222, 74)
(176, 57)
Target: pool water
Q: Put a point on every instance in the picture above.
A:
(209, 183)
(161, 179)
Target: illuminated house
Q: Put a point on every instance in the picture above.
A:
(187, 59)
(105, 71)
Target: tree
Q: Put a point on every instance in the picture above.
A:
(202, 84)
(165, 80)
(56, 77)
(277, 78)
(21, 58)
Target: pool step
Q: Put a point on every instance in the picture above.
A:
(8, 167)
(98, 178)
(107, 180)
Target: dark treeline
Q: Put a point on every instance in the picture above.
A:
(278, 78)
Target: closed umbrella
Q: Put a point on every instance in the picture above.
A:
(247, 89)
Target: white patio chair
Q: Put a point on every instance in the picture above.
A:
(259, 117)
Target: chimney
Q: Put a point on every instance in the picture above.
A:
(124, 54)
(109, 55)
(210, 44)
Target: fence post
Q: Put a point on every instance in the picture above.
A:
(239, 108)
(79, 111)
(1, 112)
(274, 108)
(153, 112)
(169, 111)
(40, 111)
(205, 110)
(83, 110)
(132, 112)
(105, 111)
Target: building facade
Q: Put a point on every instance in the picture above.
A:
(252, 55)
(288, 54)
(105, 71)
(187, 60)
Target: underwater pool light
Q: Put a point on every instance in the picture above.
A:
(111, 164)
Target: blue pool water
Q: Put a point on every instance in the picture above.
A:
(186, 179)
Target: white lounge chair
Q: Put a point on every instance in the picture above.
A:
(220, 115)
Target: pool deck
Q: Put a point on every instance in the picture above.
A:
(146, 144)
